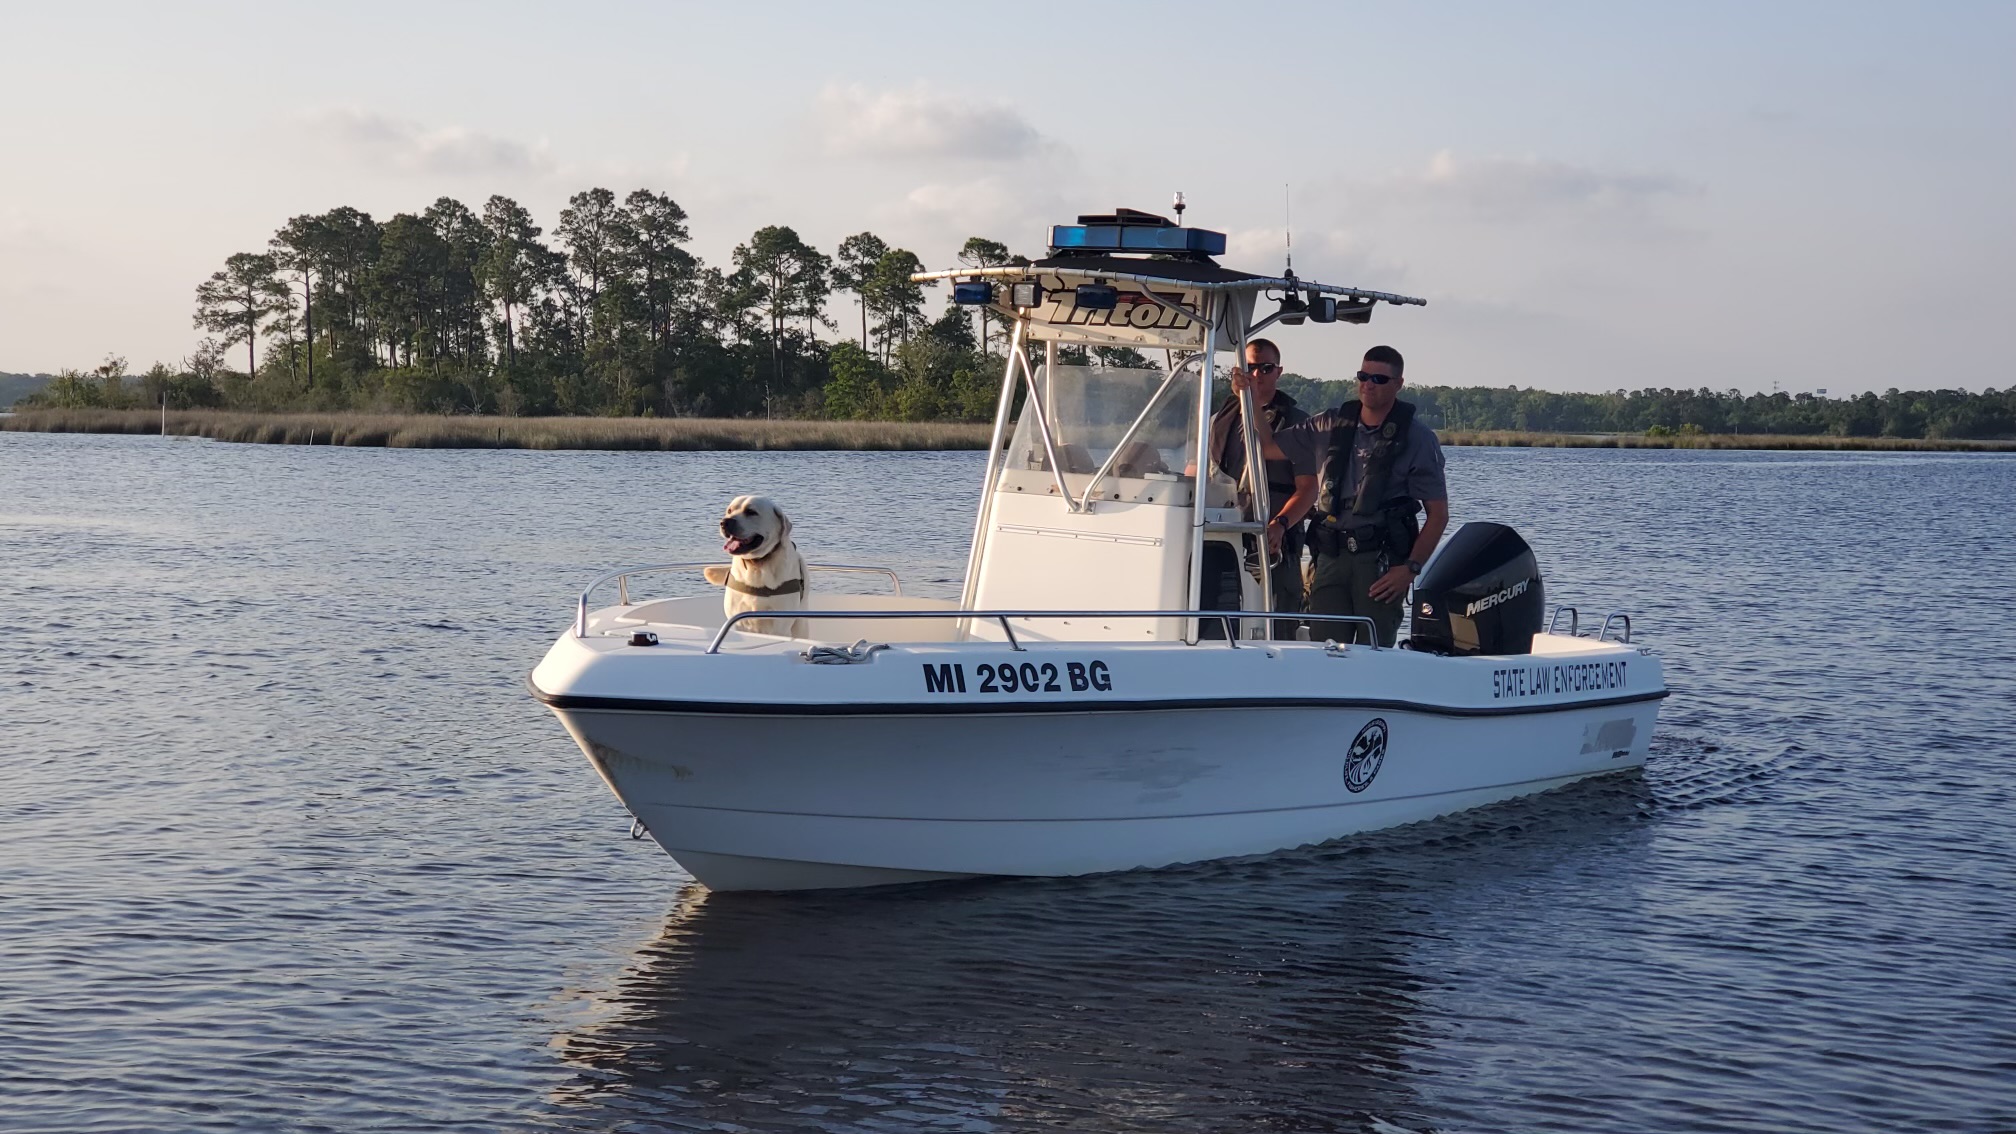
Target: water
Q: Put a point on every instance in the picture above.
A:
(285, 846)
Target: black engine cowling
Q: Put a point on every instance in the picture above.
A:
(1481, 595)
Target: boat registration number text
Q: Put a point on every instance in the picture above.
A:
(1025, 677)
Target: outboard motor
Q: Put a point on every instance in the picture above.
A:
(1481, 595)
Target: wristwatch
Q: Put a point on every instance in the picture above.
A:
(1414, 565)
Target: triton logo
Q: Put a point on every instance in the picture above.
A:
(1137, 309)
(1489, 601)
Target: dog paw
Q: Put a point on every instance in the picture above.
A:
(718, 576)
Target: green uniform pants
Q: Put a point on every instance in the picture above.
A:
(1342, 584)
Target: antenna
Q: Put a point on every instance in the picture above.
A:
(1293, 310)
(1288, 230)
(1179, 206)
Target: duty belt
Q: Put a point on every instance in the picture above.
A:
(1358, 540)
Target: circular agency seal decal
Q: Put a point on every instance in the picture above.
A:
(1368, 751)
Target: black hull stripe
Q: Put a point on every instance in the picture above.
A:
(975, 707)
(1560, 781)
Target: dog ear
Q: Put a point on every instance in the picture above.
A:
(783, 527)
(718, 576)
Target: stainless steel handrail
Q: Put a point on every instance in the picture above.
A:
(1615, 616)
(1574, 620)
(1201, 445)
(622, 581)
(1223, 617)
(1042, 411)
(1255, 477)
(1003, 407)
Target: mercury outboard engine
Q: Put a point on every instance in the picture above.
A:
(1481, 595)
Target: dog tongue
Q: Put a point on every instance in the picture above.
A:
(733, 545)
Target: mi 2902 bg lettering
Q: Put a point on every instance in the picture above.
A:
(1023, 677)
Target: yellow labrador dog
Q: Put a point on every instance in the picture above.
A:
(767, 573)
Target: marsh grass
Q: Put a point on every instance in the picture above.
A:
(420, 431)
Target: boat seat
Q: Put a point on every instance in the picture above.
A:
(1139, 459)
(1075, 458)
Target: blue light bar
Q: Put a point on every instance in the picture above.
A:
(973, 293)
(1135, 238)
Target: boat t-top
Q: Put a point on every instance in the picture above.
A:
(1078, 708)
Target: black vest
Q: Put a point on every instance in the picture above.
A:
(1280, 413)
(1371, 500)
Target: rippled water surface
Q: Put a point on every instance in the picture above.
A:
(285, 846)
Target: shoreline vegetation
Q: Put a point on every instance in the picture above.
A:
(469, 431)
(693, 434)
(455, 313)
(1517, 439)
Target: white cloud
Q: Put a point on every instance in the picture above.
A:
(1502, 189)
(923, 123)
(1327, 255)
(412, 147)
(1001, 208)
(987, 198)
(19, 234)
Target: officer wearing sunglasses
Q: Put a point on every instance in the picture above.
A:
(1378, 469)
(1291, 486)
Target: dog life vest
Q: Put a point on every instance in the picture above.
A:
(791, 588)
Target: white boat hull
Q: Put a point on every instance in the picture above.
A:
(793, 796)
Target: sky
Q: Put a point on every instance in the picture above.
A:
(1591, 196)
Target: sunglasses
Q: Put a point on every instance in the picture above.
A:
(1375, 379)
(1262, 368)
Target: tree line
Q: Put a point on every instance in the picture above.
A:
(1894, 413)
(452, 310)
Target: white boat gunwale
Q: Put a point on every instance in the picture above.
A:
(598, 703)
(791, 650)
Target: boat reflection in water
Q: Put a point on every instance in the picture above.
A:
(1290, 992)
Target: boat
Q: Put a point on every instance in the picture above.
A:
(1078, 709)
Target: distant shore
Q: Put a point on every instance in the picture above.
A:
(1508, 438)
(427, 431)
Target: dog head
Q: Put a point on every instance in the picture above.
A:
(754, 527)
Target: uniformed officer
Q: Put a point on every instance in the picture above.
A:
(1291, 489)
(1377, 468)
